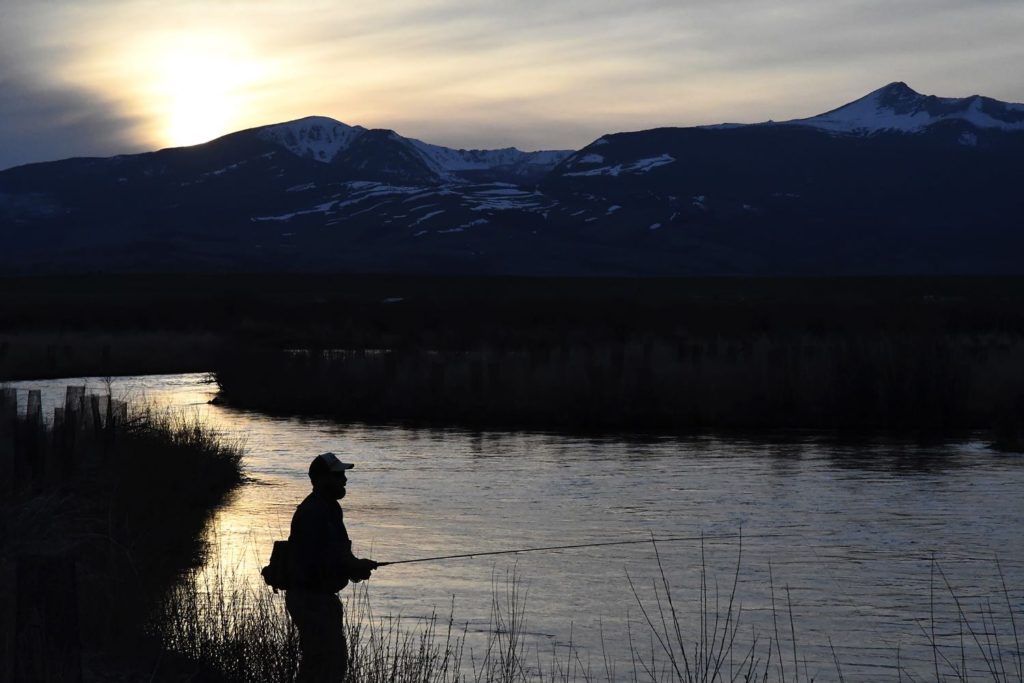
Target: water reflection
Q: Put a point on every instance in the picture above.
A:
(864, 522)
(902, 461)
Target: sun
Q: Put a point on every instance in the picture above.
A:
(200, 86)
(199, 104)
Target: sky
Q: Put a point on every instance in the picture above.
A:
(105, 77)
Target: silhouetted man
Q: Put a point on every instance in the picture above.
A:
(321, 564)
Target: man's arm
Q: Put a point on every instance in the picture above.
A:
(353, 568)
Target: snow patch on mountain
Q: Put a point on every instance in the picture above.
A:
(322, 139)
(507, 191)
(426, 217)
(319, 208)
(500, 197)
(897, 107)
(314, 137)
(638, 166)
(445, 160)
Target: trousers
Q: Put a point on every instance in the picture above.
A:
(320, 620)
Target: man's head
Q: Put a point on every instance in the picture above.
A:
(328, 474)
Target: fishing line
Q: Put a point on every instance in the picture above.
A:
(574, 546)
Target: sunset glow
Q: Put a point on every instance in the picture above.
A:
(141, 76)
(199, 87)
(199, 102)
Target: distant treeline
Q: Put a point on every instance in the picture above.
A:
(351, 311)
(906, 353)
(914, 383)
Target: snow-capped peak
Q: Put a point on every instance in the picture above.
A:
(314, 137)
(445, 160)
(897, 107)
(322, 138)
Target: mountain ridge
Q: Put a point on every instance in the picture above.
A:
(325, 139)
(897, 106)
(937, 193)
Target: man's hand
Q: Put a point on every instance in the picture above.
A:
(361, 569)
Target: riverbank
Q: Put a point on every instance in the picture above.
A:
(45, 354)
(923, 385)
(927, 356)
(103, 512)
(864, 519)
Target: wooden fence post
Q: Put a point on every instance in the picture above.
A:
(74, 414)
(85, 423)
(47, 646)
(34, 409)
(74, 407)
(9, 397)
(95, 408)
(57, 455)
(8, 441)
(117, 418)
(32, 456)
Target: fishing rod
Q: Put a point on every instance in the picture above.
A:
(574, 546)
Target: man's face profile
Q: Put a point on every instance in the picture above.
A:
(337, 481)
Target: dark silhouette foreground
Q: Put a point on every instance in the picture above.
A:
(321, 563)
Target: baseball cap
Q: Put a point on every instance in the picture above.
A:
(327, 463)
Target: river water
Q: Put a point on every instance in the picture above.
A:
(862, 545)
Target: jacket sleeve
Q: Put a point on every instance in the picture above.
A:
(343, 560)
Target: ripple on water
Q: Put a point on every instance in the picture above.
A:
(858, 533)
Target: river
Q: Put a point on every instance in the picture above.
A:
(862, 544)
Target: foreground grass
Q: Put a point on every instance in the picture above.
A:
(225, 624)
(123, 500)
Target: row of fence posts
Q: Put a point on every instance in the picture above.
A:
(39, 625)
(34, 458)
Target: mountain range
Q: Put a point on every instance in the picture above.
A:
(893, 183)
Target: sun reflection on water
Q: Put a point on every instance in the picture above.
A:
(862, 528)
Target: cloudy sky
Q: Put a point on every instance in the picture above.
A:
(101, 77)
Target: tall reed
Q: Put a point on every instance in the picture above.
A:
(244, 633)
(924, 384)
(123, 497)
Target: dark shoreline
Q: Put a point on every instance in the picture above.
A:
(924, 356)
(49, 354)
(925, 390)
(117, 503)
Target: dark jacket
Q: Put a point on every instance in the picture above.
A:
(320, 551)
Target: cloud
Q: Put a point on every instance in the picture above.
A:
(475, 73)
(42, 117)
(42, 124)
